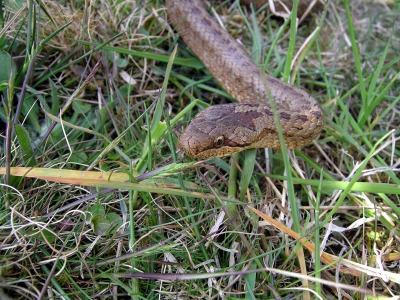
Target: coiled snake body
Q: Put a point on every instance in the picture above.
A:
(225, 129)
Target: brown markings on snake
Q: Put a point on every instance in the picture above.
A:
(196, 10)
(317, 114)
(273, 80)
(186, 25)
(243, 80)
(238, 80)
(205, 22)
(246, 119)
(230, 143)
(285, 116)
(302, 118)
(268, 112)
(216, 32)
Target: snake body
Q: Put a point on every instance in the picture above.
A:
(228, 128)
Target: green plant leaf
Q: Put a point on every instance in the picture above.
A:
(26, 146)
(81, 108)
(96, 209)
(7, 70)
(115, 219)
(42, 235)
(100, 224)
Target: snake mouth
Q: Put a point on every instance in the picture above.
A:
(210, 152)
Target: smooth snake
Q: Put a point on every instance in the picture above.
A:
(224, 129)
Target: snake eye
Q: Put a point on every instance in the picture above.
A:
(219, 141)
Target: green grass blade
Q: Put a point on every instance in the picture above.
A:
(193, 62)
(355, 178)
(249, 162)
(356, 55)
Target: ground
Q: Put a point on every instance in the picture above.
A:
(97, 201)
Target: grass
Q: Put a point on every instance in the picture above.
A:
(96, 202)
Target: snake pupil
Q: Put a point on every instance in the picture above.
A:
(219, 141)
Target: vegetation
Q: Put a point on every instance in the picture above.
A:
(96, 201)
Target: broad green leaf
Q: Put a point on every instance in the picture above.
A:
(100, 225)
(96, 209)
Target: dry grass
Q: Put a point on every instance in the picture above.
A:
(166, 232)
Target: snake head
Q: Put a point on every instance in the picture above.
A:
(225, 129)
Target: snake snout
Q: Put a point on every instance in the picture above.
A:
(188, 144)
(193, 142)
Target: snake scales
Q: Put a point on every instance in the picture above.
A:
(228, 128)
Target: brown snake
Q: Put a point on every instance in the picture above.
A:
(225, 129)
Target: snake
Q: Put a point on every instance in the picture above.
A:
(225, 129)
